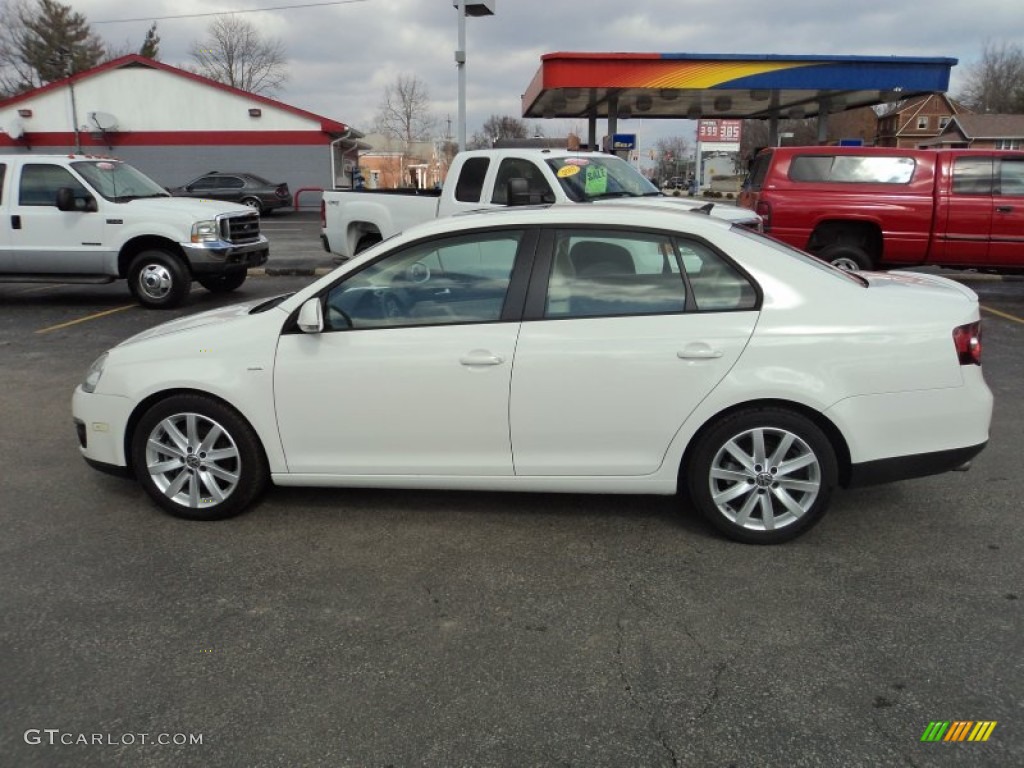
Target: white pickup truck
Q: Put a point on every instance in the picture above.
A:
(491, 178)
(83, 219)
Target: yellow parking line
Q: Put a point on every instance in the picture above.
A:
(1004, 315)
(86, 318)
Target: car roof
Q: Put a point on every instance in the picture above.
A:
(576, 215)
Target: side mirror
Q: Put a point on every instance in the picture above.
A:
(311, 316)
(66, 199)
(517, 192)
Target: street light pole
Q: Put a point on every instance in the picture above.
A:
(464, 8)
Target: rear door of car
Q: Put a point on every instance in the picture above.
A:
(617, 348)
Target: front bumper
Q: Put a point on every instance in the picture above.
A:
(101, 422)
(215, 256)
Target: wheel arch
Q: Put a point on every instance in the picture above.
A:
(137, 245)
(150, 400)
(832, 432)
(862, 233)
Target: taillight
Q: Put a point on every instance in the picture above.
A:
(967, 340)
(764, 210)
(323, 213)
(282, 191)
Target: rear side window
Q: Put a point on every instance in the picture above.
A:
(972, 176)
(471, 181)
(852, 169)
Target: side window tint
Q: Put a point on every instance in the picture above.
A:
(231, 182)
(717, 285)
(206, 182)
(471, 180)
(440, 282)
(852, 169)
(598, 274)
(519, 168)
(40, 182)
(972, 176)
(1011, 178)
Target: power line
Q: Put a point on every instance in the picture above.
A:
(227, 13)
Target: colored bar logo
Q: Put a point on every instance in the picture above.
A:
(958, 730)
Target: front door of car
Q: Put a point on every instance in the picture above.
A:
(625, 351)
(1007, 246)
(47, 240)
(965, 224)
(411, 373)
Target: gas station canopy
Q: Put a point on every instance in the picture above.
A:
(691, 86)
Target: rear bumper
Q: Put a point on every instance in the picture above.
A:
(907, 467)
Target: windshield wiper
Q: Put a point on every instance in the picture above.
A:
(607, 195)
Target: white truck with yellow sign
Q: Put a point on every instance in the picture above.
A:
(353, 220)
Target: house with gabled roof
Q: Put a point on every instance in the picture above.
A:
(915, 121)
(983, 132)
(175, 125)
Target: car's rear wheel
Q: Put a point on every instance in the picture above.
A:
(158, 279)
(848, 257)
(254, 203)
(763, 475)
(223, 283)
(198, 458)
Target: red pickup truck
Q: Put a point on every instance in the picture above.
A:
(872, 207)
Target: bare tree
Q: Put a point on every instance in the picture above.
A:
(234, 53)
(404, 114)
(498, 127)
(995, 83)
(671, 157)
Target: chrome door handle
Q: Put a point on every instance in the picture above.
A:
(480, 357)
(699, 351)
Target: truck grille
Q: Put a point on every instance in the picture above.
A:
(241, 228)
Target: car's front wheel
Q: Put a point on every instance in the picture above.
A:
(198, 458)
(762, 475)
(159, 279)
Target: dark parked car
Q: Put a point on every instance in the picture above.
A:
(245, 188)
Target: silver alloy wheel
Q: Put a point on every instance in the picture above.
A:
(252, 202)
(845, 262)
(155, 281)
(765, 479)
(193, 460)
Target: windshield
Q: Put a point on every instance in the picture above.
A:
(117, 181)
(599, 177)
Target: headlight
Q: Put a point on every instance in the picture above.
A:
(205, 231)
(92, 378)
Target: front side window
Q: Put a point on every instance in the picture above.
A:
(1011, 178)
(206, 182)
(520, 168)
(972, 176)
(40, 182)
(439, 282)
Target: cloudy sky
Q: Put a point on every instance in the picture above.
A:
(342, 55)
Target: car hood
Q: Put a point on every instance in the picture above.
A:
(935, 284)
(195, 207)
(719, 211)
(210, 317)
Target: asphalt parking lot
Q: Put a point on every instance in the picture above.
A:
(386, 628)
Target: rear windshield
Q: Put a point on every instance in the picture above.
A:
(758, 171)
(852, 169)
(802, 256)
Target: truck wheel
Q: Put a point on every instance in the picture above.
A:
(848, 257)
(367, 241)
(224, 283)
(762, 475)
(158, 279)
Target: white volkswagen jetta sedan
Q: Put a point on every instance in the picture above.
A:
(584, 349)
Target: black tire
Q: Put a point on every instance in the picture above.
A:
(254, 203)
(849, 257)
(223, 283)
(191, 490)
(367, 241)
(159, 279)
(761, 501)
